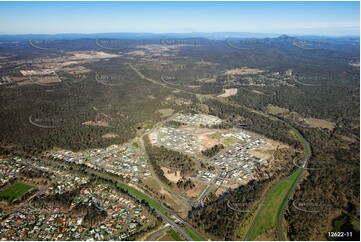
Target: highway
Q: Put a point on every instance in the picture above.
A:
(162, 215)
(174, 225)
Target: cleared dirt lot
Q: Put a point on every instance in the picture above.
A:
(320, 123)
(96, 123)
(110, 136)
(267, 150)
(229, 92)
(258, 92)
(170, 175)
(46, 79)
(243, 71)
(203, 134)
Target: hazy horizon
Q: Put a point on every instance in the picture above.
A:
(291, 18)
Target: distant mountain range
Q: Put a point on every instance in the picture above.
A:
(216, 35)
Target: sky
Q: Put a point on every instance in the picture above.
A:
(301, 18)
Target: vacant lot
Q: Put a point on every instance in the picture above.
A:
(229, 92)
(166, 112)
(16, 190)
(274, 110)
(171, 235)
(243, 71)
(230, 141)
(320, 123)
(171, 176)
(110, 136)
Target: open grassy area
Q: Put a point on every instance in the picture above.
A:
(140, 195)
(320, 123)
(268, 218)
(15, 190)
(246, 225)
(230, 141)
(203, 97)
(166, 112)
(275, 110)
(193, 235)
(172, 233)
(217, 135)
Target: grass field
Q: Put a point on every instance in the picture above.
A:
(193, 235)
(166, 112)
(217, 135)
(230, 141)
(140, 195)
(320, 123)
(172, 233)
(16, 190)
(274, 110)
(269, 216)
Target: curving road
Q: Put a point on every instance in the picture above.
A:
(307, 152)
(285, 203)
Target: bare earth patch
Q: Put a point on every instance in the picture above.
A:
(195, 192)
(229, 92)
(258, 92)
(194, 86)
(166, 112)
(76, 70)
(47, 79)
(355, 64)
(243, 71)
(110, 136)
(267, 150)
(171, 176)
(96, 123)
(207, 80)
(220, 191)
(208, 141)
(203, 134)
(320, 123)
